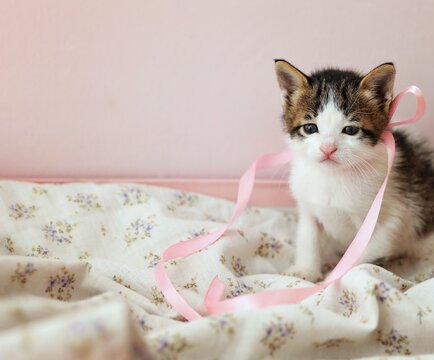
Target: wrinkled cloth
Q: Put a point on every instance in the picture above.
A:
(77, 282)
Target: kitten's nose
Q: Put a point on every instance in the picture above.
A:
(328, 149)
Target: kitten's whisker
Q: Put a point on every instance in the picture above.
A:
(370, 166)
(362, 161)
(365, 173)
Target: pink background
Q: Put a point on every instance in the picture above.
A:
(180, 88)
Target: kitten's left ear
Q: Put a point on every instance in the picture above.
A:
(291, 81)
(378, 83)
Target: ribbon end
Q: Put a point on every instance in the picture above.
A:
(214, 293)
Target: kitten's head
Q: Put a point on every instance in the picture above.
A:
(335, 117)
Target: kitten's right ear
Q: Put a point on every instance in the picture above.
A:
(292, 81)
(378, 84)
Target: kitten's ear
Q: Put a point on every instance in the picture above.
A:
(378, 83)
(292, 81)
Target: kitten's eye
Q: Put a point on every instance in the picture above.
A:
(310, 128)
(350, 130)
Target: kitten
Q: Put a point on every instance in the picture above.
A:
(334, 120)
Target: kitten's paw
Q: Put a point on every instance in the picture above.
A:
(307, 273)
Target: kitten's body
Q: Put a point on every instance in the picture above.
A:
(334, 191)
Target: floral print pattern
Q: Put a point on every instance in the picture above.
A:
(61, 285)
(89, 257)
(308, 312)
(348, 300)
(394, 342)
(423, 276)
(84, 255)
(133, 195)
(277, 333)
(223, 324)
(9, 245)
(21, 211)
(191, 285)
(384, 293)
(85, 201)
(139, 229)
(237, 288)
(22, 273)
(157, 297)
(182, 199)
(38, 190)
(269, 246)
(332, 343)
(142, 321)
(237, 266)
(262, 284)
(59, 232)
(152, 260)
(41, 251)
(119, 280)
(422, 312)
(194, 234)
(169, 347)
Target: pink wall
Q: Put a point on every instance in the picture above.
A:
(180, 88)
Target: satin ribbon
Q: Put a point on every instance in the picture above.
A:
(212, 301)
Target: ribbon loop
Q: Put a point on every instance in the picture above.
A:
(420, 106)
(213, 302)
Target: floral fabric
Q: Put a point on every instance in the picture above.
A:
(77, 282)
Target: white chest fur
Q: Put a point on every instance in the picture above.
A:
(338, 200)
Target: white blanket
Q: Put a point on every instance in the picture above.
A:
(77, 282)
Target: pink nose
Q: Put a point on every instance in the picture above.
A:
(328, 150)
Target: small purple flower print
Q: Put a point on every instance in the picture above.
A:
(41, 251)
(59, 232)
(277, 333)
(61, 285)
(21, 211)
(384, 293)
(349, 301)
(238, 267)
(85, 201)
(394, 342)
(143, 323)
(182, 199)
(139, 229)
(269, 246)
(237, 288)
(152, 259)
(22, 274)
(133, 195)
(169, 347)
(194, 234)
(223, 324)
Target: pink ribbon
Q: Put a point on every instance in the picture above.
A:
(213, 301)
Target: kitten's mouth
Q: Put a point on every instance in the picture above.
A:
(328, 160)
